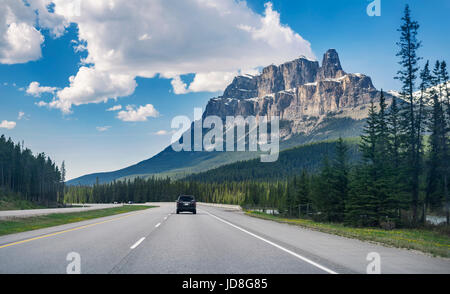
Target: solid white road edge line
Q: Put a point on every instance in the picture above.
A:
(137, 243)
(276, 245)
(158, 225)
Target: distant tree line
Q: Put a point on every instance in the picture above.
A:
(34, 178)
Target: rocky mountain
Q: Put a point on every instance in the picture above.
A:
(300, 92)
(313, 102)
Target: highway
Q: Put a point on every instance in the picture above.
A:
(215, 241)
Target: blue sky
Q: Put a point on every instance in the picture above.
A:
(365, 44)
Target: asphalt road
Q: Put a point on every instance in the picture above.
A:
(214, 241)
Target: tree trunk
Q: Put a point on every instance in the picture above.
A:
(447, 204)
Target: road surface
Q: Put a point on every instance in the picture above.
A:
(215, 241)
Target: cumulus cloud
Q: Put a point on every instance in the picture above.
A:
(37, 90)
(142, 113)
(214, 40)
(20, 43)
(20, 115)
(114, 108)
(179, 87)
(93, 86)
(9, 125)
(20, 35)
(203, 82)
(211, 82)
(41, 104)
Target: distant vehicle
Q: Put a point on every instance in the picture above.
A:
(130, 202)
(116, 202)
(186, 203)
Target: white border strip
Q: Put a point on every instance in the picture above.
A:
(276, 245)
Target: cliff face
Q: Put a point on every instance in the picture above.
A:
(300, 92)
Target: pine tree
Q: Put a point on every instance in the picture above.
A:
(340, 180)
(435, 128)
(323, 194)
(369, 136)
(444, 77)
(382, 129)
(394, 134)
(384, 170)
(63, 178)
(361, 205)
(407, 75)
(303, 193)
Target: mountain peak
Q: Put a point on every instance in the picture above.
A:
(331, 66)
(286, 76)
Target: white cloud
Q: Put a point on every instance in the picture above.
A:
(131, 114)
(41, 104)
(103, 129)
(164, 133)
(20, 43)
(211, 82)
(125, 39)
(79, 47)
(115, 108)
(208, 82)
(36, 90)
(20, 36)
(179, 87)
(144, 37)
(20, 115)
(93, 86)
(161, 133)
(273, 32)
(9, 125)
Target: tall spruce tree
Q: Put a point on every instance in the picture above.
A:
(323, 200)
(340, 179)
(430, 95)
(384, 169)
(407, 75)
(303, 193)
(444, 77)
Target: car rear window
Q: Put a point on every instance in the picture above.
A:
(186, 198)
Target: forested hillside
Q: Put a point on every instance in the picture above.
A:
(308, 157)
(30, 177)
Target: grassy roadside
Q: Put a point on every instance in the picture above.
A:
(428, 241)
(18, 225)
(15, 203)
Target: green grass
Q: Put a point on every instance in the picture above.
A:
(435, 242)
(15, 203)
(18, 225)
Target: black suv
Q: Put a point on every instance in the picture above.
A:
(186, 203)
